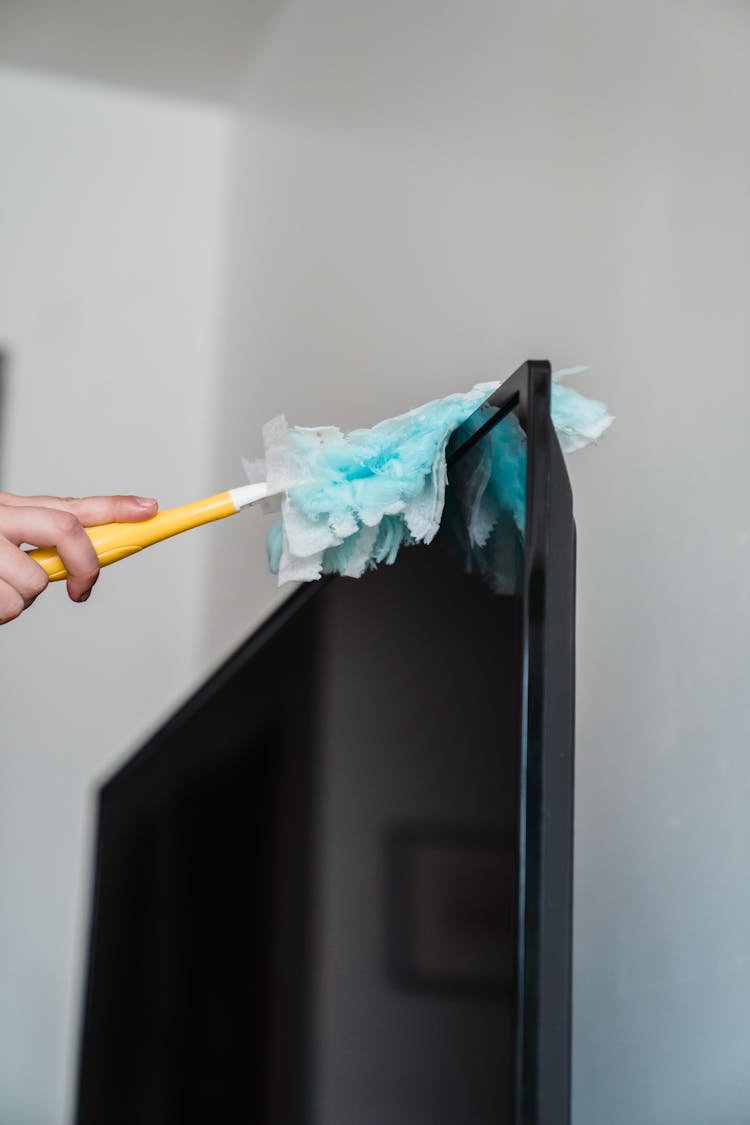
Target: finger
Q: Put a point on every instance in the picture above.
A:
(93, 510)
(48, 527)
(21, 572)
(90, 510)
(11, 603)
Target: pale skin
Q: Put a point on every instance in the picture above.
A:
(54, 521)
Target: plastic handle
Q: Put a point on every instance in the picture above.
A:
(115, 541)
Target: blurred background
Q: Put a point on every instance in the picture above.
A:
(212, 213)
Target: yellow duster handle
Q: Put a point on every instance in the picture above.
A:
(115, 541)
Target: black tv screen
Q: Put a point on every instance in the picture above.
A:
(335, 887)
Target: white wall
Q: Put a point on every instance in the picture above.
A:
(427, 194)
(111, 252)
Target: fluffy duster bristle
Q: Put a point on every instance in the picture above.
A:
(351, 501)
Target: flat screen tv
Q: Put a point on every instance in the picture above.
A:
(335, 888)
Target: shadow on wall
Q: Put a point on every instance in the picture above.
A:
(182, 48)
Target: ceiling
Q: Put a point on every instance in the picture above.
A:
(188, 48)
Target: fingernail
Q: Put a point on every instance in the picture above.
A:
(142, 502)
(85, 597)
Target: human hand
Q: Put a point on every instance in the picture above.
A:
(51, 521)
